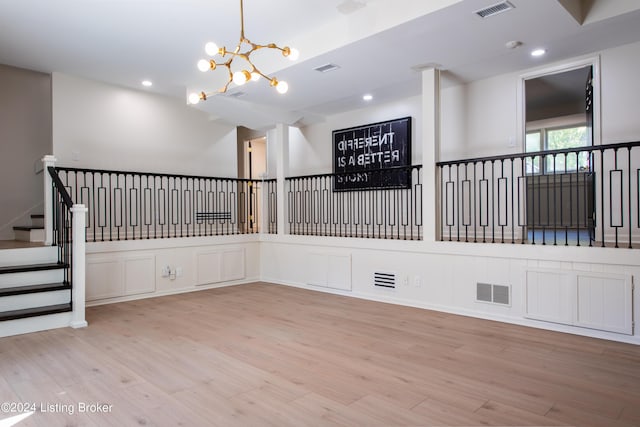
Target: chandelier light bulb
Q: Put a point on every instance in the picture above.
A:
(194, 98)
(242, 51)
(241, 77)
(294, 54)
(282, 87)
(204, 65)
(211, 48)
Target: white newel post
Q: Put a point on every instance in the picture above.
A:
(79, 215)
(48, 161)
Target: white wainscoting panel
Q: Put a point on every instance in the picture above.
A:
(329, 270)
(209, 267)
(602, 301)
(605, 302)
(105, 278)
(233, 267)
(139, 275)
(317, 265)
(339, 272)
(549, 296)
(220, 266)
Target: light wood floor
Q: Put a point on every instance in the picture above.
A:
(260, 354)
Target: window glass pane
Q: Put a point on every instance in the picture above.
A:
(573, 137)
(532, 142)
(567, 138)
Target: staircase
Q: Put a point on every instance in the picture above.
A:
(42, 285)
(34, 294)
(33, 232)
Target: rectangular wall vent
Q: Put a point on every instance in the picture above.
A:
(494, 9)
(495, 294)
(326, 68)
(384, 279)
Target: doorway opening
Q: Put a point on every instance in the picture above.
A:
(560, 112)
(252, 166)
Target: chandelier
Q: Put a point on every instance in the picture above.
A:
(246, 73)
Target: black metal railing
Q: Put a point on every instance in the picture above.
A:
(62, 220)
(579, 196)
(271, 190)
(140, 205)
(315, 208)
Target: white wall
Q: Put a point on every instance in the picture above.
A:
(620, 89)
(489, 108)
(110, 127)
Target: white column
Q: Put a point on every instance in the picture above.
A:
(282, 169)
(48, 161)
(430, 152)
(79, 214)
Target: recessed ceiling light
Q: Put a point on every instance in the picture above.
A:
(367, 97)
(147, 83)
(538, 52)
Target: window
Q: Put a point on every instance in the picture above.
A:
(556, 139)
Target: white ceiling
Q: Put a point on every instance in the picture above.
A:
(376, 43)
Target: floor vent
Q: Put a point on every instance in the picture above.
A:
(495, 294)
(494, 9)
(384, 279)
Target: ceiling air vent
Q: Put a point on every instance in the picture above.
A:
(384, 279)
(494, 10)
(326, 68)
(237, 94)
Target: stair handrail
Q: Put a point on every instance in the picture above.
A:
(66, 198)
(66, 228)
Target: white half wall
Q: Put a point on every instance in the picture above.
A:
(443, 276)
(100, 126)
(127, 270)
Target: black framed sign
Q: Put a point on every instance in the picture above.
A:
(373, 156)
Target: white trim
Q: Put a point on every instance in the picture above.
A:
(569, 65)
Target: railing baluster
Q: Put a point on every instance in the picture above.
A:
(629, 197)
(553, 196)
(316, 208)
